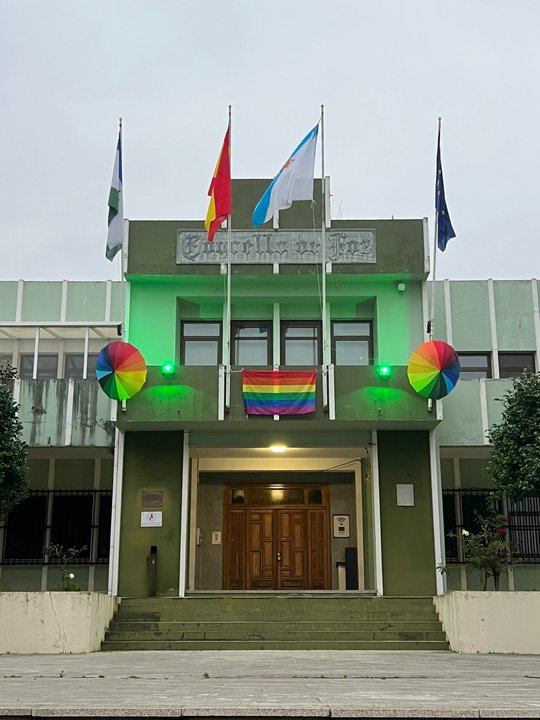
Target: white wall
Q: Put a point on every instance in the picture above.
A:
(53, 622)
(491, 622)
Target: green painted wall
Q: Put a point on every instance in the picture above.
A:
(86, 301)
(8, 300)
(42, 301)
(470, 315)
(153, 461)
(515, 322)
(407, 532)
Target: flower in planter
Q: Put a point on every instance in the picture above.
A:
(487, 550)
(63, 557)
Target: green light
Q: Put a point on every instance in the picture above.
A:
(384, 372)
(168, 369)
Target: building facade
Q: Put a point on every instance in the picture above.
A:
(178, 490)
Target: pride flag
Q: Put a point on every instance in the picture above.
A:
(278, 392)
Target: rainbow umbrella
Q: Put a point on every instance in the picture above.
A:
(120, 370)
(433, 369)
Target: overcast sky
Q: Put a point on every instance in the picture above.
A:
(384, 69)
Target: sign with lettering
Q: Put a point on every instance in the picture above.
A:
(276, 246)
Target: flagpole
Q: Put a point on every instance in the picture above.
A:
(431, 325)
(123, 253)
(228, 312)
(325, 358)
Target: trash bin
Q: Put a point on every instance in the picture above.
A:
(351, 568)
(151, 570)
(341, 575)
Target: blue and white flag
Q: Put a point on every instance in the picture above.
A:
(293, 182)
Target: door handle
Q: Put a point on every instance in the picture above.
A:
(279, 556)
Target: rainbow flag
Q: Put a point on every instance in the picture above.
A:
(278, 392)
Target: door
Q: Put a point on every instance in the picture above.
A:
(276, 549)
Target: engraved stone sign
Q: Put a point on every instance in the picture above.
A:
(276, 246)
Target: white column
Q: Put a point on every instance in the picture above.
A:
(118, 477)
(184, 518)
(359, 524)
(376, 513)
(193, 523)
(48, 528)
(536, 318)
(448, 313)
(437, 513)
(493, 327)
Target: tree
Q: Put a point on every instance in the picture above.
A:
(13, 481)
(515, 457)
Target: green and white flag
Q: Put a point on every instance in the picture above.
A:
(115, 235)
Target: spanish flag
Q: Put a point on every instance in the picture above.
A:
(220, 206)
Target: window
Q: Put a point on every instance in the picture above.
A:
(251, 343)
(475, 365)
(351, 343)
(201, 343)
(73, 365)
(523, 521)
(72, 522)
(72, 526)
(47, 366)
(25, 530)
(5, 359)
(514, 364)
(301, 343)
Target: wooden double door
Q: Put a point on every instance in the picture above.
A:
(276, 549)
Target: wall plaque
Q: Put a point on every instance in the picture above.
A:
(276, 246)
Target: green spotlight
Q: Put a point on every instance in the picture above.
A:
(168, 369)
(384, 372)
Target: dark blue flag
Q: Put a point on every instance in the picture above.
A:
(445, 231)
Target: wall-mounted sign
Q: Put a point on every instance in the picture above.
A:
(405, 495)
(342, 526)
(152, 519)
(152, 498)
(276, 246)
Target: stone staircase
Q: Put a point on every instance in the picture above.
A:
(276, 622)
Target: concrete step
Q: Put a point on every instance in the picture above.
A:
(275, 622)
(286, 626)
(275, 645)
(274, 634)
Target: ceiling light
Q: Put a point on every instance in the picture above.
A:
(278, 448)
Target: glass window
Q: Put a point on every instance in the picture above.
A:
(514, 364)
(351, 343)
(73, 365)
(26, 526)
(47, 367)
(301, 343)
(5, 359)
(25, 529)
(72, 522)
(251, 343)
(475, 365)
(201, 343)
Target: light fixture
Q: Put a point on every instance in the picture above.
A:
(400, 286)
(384, 372)
(278, 448)
(168, 369)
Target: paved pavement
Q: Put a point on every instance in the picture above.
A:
(270, 683)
